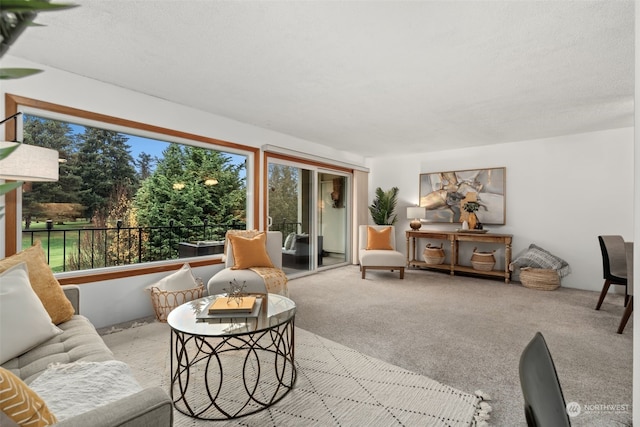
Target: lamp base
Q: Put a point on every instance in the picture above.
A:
(415, 224)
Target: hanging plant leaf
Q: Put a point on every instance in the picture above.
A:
(18, 6)
(16, 15)
(5, 151)
(9, 186)
(17, 73)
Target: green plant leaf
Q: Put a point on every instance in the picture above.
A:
(9, 186)
(383, 207)
(18, 6)
(4, 152)
(17, 73)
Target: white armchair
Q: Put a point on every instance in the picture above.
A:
(254, 282)
(379, 253)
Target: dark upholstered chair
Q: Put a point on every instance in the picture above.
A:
(614, 265)
(544, 404)
(629, 309)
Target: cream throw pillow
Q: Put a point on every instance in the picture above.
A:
(24, 322)
(178, 281)
(379, 239)
(250, 252)
(43, 282)
(21, 404)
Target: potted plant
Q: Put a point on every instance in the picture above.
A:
(384, 205)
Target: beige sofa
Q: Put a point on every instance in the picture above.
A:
(81, 342)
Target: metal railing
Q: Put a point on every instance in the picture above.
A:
(72, 249)
(287, 227)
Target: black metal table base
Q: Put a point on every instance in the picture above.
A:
(214, 378)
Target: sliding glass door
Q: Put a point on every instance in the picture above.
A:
(309, 206)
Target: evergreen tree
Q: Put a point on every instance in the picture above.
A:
(145, 165)
(190, 185)
(104, 163)
(57, 136)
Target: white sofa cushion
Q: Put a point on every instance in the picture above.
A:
(24, 322)
(382, 258)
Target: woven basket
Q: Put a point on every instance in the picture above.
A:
(433, 255)
(539, 278)
(483, 261)
(165, 301)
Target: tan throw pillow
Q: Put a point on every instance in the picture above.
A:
(21, 404)
(43, 282)
(251, 252)
(379, 239)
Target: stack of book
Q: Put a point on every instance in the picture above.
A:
(231, 308)
(232, 305)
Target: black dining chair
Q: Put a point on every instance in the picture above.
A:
(629, 309)
(544, 404)
(614, 265)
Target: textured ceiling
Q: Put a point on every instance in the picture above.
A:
(369, 77)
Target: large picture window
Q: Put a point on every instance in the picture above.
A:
(129, 196)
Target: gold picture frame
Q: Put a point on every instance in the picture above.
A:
(444, 193)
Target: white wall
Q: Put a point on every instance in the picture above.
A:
(59, 87)
(561, 192)
(114, 301)
(71, 90)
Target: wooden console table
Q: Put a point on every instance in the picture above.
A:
(455, 237)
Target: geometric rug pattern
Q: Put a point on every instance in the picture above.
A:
(335, 386)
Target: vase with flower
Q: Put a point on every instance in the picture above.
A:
(471, 208)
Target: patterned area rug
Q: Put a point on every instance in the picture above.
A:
(336, 386)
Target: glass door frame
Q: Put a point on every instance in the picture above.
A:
(317, 168)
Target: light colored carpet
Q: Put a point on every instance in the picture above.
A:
(469, 333)
(336, 385)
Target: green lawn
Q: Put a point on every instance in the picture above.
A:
(53, 243)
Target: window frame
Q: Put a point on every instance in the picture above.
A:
(15, 103)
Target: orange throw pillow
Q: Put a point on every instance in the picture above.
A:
(379, 239)
(21, 404)
(43, 282)
(251, 252)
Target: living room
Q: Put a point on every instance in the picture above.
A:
(562, 189)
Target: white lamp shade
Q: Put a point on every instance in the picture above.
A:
(416, 212)
(29, 163)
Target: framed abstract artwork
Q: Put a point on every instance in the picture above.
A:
(443, 194)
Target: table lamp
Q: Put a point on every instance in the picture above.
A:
(415, 213)
(28, 163)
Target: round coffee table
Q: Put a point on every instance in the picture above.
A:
(225, 367)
